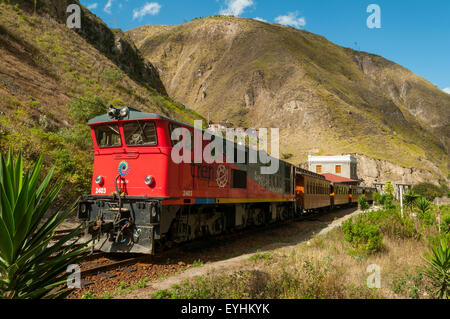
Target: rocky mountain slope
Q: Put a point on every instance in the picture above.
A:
(325, 99)
(45, 67)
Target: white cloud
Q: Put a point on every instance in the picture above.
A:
(236, 7)
(92, 6)
(291, 19)
(108, 6)
(151, 8)
(446, 90)
(260, 19)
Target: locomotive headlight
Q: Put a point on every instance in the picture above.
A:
(99, 180)
(148, 180)
(124, 111)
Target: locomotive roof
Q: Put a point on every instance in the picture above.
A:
(133, 114)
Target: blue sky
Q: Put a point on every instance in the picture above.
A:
(413, 33)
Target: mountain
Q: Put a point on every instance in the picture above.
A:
(53, 77)
(326, 99)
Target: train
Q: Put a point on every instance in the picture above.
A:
(143, 198)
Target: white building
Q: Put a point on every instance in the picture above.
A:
(340, 165)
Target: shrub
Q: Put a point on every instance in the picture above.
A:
(387, 201)
(362, 235)
(377, 198)
(392, 224)
(428, 190)
(83, 109)
(363, 204)
(112, 76)
(445, 224)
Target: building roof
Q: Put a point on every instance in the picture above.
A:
(331, 158)
(338, 179)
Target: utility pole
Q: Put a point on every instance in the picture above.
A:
(401, 199)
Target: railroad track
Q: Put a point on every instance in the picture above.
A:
(110, 266)
(197, 244)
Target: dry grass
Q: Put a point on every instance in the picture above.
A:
(327, 266)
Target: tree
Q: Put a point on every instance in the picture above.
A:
(389, 189)
(29, 268)
(428, 190)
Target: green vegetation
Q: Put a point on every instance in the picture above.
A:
(267, 256)
(377, 198)
(389, 188)
(83, 109)
(429, 191)
(121, 289)
(409, 200)
(197, 263)
(362, 202)
(362, 235)
(424, 211)
(28, 267)
(438, 269)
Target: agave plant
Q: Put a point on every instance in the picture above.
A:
(423, 205)
(29, 266)
(409, 200)
(438, 269)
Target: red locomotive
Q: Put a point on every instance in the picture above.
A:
(141, 197)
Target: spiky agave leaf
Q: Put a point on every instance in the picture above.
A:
(423, 204)
(29, 268)
(438, 269)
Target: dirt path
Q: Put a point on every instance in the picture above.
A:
(229, 265)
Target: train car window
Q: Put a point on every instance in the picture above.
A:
(107, 136)
(239, 179)
(140, 133)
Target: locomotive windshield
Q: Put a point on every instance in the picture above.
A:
(107, 136)
(140, 133)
